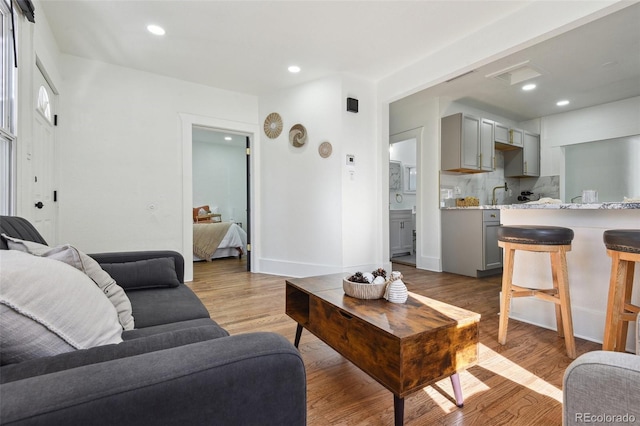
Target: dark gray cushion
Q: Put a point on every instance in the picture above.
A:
(243, 380)
(536, 235)
(148, 273)
(134, 256)
(154, 306)
(171, 327)
(626, 240)
(104, 353)
(18, 227)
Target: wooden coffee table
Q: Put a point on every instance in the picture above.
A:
(404, 347)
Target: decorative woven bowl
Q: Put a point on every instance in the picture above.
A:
(364, 291)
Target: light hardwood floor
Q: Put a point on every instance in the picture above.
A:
(516, 384)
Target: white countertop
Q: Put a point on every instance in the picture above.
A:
(565, 206)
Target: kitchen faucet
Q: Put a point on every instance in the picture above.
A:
(493, 200)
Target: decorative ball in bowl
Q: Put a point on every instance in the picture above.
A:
(366, 285)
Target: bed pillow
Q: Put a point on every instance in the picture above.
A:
(148, 273)
(48, 307)
(74, 257)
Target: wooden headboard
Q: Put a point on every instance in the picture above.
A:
(197, 209)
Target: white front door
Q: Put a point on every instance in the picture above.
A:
(44, 213)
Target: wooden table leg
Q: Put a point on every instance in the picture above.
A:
(457, 390)
(298, 334)
(398, 410)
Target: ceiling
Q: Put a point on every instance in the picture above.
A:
(246, 46)
(593, 64)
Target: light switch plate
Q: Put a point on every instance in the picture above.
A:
(351, 160)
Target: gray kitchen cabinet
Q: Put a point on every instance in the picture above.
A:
(470, 242)
(487, 146)
(467, 144)
(500, 133)
(506, 138)
(524, 162)
(400, 232)
(516, 137)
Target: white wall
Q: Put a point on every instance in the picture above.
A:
(606, 121)
(220, 179)
(318, 218)
(601, 122)
(121, 170)
(361, 194)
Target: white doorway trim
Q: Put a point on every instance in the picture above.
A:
(402, 136)
(185, 129)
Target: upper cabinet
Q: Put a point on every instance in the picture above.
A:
(467, 144)
(487, 146)
(501, 134)
(524, 162)
(516, 137)
(506, 138)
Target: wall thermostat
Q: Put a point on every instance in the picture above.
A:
(351, 160)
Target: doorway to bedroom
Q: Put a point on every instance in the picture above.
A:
(220, 182)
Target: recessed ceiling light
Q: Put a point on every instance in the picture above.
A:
(562, 103)
(529, 86)
(294, 69)
(155, 29)
(227, 138)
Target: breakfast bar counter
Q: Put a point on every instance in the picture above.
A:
(554, 206)
(588, 264)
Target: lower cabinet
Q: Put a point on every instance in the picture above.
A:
(400, 232)
(470, 242)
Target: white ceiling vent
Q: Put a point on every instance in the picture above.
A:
(516, 73)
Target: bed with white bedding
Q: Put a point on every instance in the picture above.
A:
(218, 240)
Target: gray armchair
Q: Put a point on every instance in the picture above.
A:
(603, 387)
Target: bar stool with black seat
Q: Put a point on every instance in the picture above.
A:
(623, 247)
(550, 239)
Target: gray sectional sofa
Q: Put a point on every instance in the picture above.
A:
(177, 366)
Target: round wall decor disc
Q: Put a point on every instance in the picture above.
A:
(298, 135)
(325, 149)
(273, 125)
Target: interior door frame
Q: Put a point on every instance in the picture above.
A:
(416, 134)
(186, 122)
(248, 172)
(35, 154)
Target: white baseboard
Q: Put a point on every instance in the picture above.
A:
(429, 263)
(299, 269)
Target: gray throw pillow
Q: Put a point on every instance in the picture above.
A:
(148, 273)
(48, 307)
(74, 257)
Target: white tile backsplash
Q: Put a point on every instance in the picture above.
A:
(481, 185)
